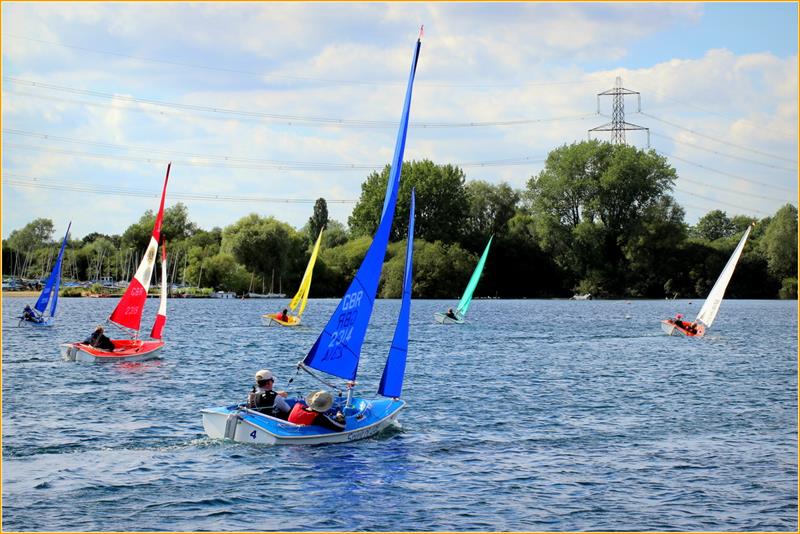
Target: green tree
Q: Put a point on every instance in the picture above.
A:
(175, 226)
(33, 235)
(441, 202)
(318, 220)
(714, 225)
(780, 243)
(264, 244)
(490, 208)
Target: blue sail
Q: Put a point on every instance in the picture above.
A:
(338, 348)
(392, 379)
(53, 282)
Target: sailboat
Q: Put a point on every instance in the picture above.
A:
(128, 313)
(712, 303)
(337, 350)
(457, 316)
(49, 295)
(301, 297)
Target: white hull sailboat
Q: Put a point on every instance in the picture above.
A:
(459, 315)
(337, 350)
(712, 303)
(38, 315)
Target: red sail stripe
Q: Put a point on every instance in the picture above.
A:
(158, 326)
(128, 312)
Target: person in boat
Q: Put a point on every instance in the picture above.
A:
(264, 399)
(29, 315)
(678, 321)
(284, 316)
(451, 314)
(314, 412)
(99, 340)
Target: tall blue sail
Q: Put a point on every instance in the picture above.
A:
(53, 282)
(392, 379)
(338, 347)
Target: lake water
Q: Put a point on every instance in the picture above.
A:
(536, 415)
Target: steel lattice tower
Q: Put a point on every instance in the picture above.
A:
(617, 126)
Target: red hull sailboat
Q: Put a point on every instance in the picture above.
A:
(128, 313)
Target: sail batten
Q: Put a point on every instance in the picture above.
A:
(337, 349)
(391, 384)
(466, 298)
(712, 303)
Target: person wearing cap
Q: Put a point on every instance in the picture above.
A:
(314, 413)
(99, 340)
(264, 399)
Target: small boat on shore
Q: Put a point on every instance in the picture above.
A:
(128, 313)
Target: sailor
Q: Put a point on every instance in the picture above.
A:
(99, 340)
(678, 322)
(451, 314)
(319, 402)
(29, 315)
(283, 316)
(264, 399)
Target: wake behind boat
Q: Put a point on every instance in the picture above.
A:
(301, 297)
(458, 315)
(128, 313)
(49, 295)
(712, 303)
(336, 351)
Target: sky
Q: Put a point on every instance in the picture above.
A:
(265, 107)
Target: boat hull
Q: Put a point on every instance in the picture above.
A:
(271, 319)
(444, 319)
(367, 418)
(128, 350)
(44, 323)
(671, 329)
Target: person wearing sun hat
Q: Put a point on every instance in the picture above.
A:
(264, 399)
(314, 412)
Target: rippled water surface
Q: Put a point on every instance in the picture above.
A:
(536, 415)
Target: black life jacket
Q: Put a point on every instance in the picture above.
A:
(265, 401)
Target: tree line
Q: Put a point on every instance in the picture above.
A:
(599, 218)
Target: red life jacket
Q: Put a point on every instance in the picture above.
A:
(300, 415)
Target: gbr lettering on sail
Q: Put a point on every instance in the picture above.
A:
(344, 328)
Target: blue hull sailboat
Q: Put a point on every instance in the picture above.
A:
(337, 350)
(49, 295)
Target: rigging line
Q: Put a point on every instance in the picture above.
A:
(40, 183)
(762, 184)
(718, 140)
(723, 153)
(362, 123)
(296, 78)
(733, 191)
(692, 193)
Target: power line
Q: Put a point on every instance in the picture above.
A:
(724, 142)
(297, 78)
(733, 191)
(700, 165)
(723, 154)
(329, 121)
(692, 193)
(39, 183)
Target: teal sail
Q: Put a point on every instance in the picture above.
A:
(392, 379)
(338, 348)
(466, 298)
(53, 282)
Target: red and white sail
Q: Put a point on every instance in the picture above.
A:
(128, 312)
(161, 317)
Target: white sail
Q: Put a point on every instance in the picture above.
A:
(711, 306)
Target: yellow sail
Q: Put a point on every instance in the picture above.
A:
(305, 284)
